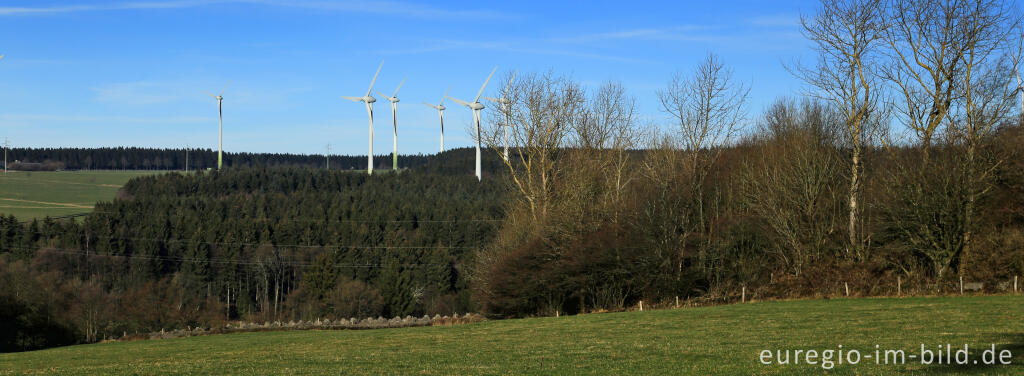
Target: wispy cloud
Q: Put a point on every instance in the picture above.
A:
(13, 11)
(777, 20)
(384, 7)
(136, 93)
(532, 47)
(678, 33)
(147, 93)
(396, 8)
(762, 33)
(596, 45)
(49, 118)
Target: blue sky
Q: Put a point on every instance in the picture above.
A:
(133, 73)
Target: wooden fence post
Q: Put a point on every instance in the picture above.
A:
(743, 296)
(641, 306)
(677, 301)
(1014, 284)
(847, 285)
(961, 285)
(899, 285)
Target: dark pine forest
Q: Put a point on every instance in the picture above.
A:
(275, 241)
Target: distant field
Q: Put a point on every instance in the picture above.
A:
(701, 341)
(30, 195)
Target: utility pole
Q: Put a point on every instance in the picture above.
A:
(1020, 85)
(328, 156)
(7, 144)
(1020, 92)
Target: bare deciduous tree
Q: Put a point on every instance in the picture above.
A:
(989, 29)
(605, 134)
(542, 110)
(846, 35)
(925, 48)
(708, 109)
(791, 184)
(953, 63)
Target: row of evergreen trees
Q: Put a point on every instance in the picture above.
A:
(279, 243)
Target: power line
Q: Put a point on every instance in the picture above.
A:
(193, 242)
(326, 220)
(334, 220)
(219, 260)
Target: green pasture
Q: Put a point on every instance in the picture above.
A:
(29, 195)
(698, 341)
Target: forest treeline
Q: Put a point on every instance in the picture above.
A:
(134, 158)
(889, 169)
(899, 168)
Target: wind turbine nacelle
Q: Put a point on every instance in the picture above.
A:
(476, 106)
(441, 108)
(394, 100)
(369, 99)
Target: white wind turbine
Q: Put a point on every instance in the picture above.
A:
(476, 106)
(506, 107)
(440, 114)
(368, 100)
(220, 133)
(394, 121)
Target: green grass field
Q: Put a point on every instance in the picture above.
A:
(29, 195)
(701, 341)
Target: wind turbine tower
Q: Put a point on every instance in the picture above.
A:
(220, 132)
(506, 107)
(394, 121)
(440, 114)
(476, 106)
(368, 100)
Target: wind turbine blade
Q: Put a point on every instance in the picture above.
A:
(495, 100)
(431, 105)
(400, 86)
(383, 95)
(354, 99)
(2, 57)
(374, 79)
(481, 92)
(210, 94)
(225, 87)
(445, 96)
(510, 80)
(459, 101)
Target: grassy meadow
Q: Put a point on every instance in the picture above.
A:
(700, 341)
(36, 194)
